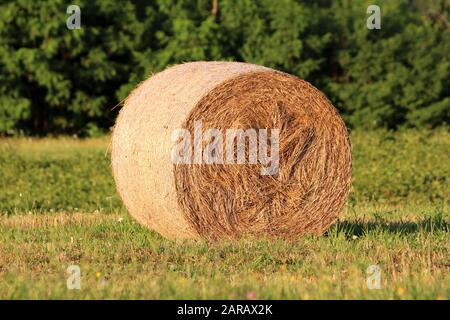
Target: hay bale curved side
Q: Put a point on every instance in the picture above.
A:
(141, 141)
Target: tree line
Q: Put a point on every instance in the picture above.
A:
(54, 80)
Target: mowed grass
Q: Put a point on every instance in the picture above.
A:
(59, 208)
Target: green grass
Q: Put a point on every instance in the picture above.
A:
(56, 174)
(59, 208)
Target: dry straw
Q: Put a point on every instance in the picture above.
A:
(228, 201)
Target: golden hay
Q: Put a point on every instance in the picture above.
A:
(228, 201)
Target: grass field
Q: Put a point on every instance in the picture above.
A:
(58, 207)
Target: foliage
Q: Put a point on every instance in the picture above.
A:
(56, 80)
(398, 75)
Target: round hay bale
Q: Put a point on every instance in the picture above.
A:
(228, 200)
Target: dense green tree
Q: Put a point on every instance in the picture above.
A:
(56, 80)
(398, 75)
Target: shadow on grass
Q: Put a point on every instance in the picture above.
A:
(360, 228)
